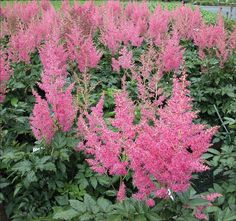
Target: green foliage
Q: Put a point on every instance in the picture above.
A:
(54, 182)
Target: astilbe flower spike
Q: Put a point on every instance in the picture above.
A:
(158, 25)
(199, 212)
(88, 56)
(53, 57)
(64, 108)
(121, 193)
(186, 21)
(82, 49)
(111, 35)
(41, 121)
(124, 60)
(101, 142)
(157, 151)
(212, 37)
(172, 56)
(166, 144)
(5, 74)
(53, 82)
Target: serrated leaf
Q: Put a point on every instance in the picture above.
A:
(66, 214)
(93, 181)
(86, 217)
(62, 200)
(111, 192)
(197, 202)
(17, 189)
(22, 166)
(104, 204)
(78, 206)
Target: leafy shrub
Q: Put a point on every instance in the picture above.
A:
(55, 69)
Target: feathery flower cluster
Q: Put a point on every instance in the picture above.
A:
(168, 151)
(53, 83)
(29, 25)
(41, 122)
(165, 146)
(24, 12)
(172, 55)
(121, 193)
(82, 50)
(213, 36)
(5, 74)
(158, 25)
(28, 39)
(186, 21)
(199, 213)
(124, 60)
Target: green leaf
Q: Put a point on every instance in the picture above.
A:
(22, 166)
(17, 189)
(66, 214)
(232, 218)
(152, 217)
(111, 192)
(86, 217)
(214, 151)
(83, 183)
(104, 204)
(93, 181)
(19, 85)
(49, 167)
(30, 178)
(197, 202)
(90, 204)
(207, 156)
(140, 218)
(14, 101)
(78, 206)
(62, 200)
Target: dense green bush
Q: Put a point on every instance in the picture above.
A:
(54, 182)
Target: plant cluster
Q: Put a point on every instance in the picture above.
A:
(116, 112)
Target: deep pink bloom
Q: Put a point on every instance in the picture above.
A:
(88, 57)
(186, 21)
(53, 58)
(169, 150)
(124, 60)
(64, 108)
(199, 213)
(82, 49)
(22, 44)
(121, 193)
(5, 74)
(158, 25)
(101, 142)
(41, 121)
(150, 202)
(172, 55)
(111, 35)
(212, 196)
(23, 11)
(212, 37)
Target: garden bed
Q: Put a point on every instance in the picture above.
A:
(117, 111)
